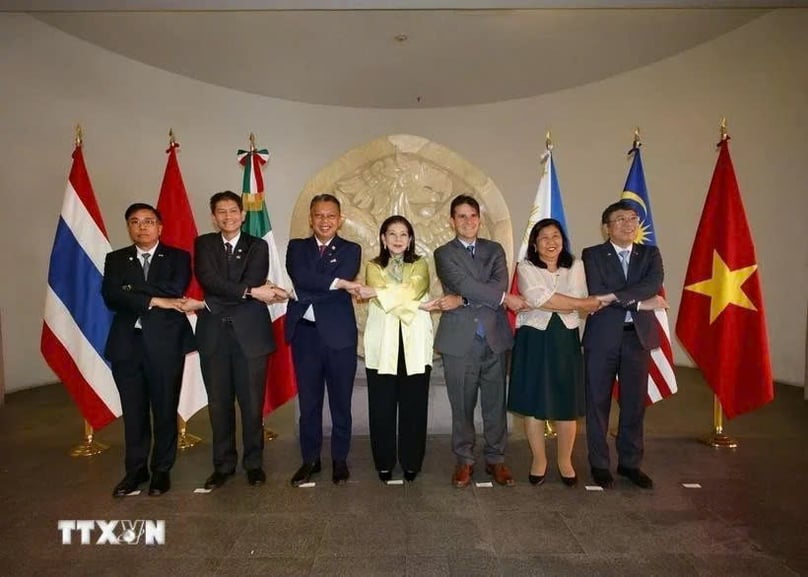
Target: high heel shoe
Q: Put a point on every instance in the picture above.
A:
(535, 479)
(385, 476)
(568, 481)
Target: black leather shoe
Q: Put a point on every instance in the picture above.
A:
(256, 476)
(216, 480)
(130, 483)
(636, 476)
(340, 473)
(385, 476)
(410, 475)
(602, 477)
(568, 481)
(535, 479)
(304, 473)
(160, 483)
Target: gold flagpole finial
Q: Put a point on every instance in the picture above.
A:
(252, 142)
(79, 135)
(723, 126)
(172, 140)
(548, 141)
(637, 142)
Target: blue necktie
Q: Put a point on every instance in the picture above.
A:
(623, 254)
(146, 257)
(470, 248)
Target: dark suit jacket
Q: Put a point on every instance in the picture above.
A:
(482, 280)
(604, 275)
(224, 289)
(127, 294)
(312, 276)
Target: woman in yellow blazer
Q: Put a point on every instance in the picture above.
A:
(398, 350)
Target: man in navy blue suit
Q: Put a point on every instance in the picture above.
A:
(627, 278)
(321, 328)
(144, 284)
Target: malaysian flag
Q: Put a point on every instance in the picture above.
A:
(76, 320)
(661, 379)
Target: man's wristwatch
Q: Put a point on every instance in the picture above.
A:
(465, 301)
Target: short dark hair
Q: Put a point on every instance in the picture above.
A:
(464, 199)
(565, 258)
(225, 195)
(325, 197)
(133, 208)
(384, 253)
(614, 207)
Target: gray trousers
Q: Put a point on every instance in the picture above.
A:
(484, 370)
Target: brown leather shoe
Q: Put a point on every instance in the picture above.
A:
(501, 473)
(462, 476)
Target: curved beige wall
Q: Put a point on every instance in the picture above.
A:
(754, 75)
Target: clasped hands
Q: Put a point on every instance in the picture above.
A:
(268, 293)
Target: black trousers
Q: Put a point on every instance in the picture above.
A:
(403, 400)
(149, 389)
(230, 375)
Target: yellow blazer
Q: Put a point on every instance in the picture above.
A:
(396, 306)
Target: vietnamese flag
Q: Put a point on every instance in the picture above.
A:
(721, 322)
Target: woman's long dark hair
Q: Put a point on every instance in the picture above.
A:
(565, 257)
(384, 252)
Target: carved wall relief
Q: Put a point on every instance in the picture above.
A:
(410, 176)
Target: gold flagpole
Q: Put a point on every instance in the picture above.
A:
(185, 440)
(718, 439)
(88, 447)
(269, 433)
(549, 431)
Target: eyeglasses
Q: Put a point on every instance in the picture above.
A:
(142, 222)
(621, 220)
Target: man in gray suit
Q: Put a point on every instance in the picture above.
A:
(473, 338)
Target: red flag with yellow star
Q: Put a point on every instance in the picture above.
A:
(721, 322)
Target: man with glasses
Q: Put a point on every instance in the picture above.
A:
(143, 285)
(627, 278)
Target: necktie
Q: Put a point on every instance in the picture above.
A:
(146, 265)
(228, 251)
(470, 248)
(322, 249)
(623, 254)
(396, 268)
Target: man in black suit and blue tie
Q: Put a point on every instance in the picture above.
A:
(321, 328)
(144, 284)
(234, 333)
(618, 338)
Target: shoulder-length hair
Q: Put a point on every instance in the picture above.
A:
(384, 252)
(565, 257)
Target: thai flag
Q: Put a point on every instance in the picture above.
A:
(76, 321)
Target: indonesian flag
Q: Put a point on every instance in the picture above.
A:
(281, 382)
(547, 204)
(721, 322)
(179, 230)
(76, 320)
(661, 379)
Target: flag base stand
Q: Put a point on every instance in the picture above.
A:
(269, 434)
(88, 447)
(718, 439)
(185, 440)
(549, 431)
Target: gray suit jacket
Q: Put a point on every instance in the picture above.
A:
(482, 280)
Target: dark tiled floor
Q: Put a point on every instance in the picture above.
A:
(747, 519)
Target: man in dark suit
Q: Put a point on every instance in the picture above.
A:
(473, 338)
(617, 341)
(143, 284)
(321, 328)
(234, 333)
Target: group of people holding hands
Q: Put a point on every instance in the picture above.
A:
(614, 286)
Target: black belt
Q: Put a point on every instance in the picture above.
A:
(308, 323)
(629, 327)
